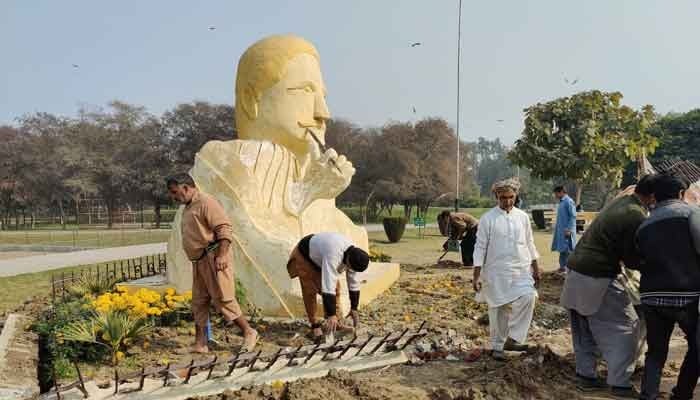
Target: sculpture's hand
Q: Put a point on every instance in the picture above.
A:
(328, 173)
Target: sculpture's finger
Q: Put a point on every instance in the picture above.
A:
(314, 150)
(340, 161)
(348, 170)
(331, 154)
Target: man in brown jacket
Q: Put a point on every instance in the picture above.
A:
(460, 226)
(206, 237)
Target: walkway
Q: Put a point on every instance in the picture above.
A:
(24, 265)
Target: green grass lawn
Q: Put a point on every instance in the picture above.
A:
(355, 213)
(14, 290)
(86, 238)
(414, 250)
(101, 238)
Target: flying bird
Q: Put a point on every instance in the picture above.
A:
(414, 110)
(499, 120)
(415, 44)
(211, 28)
(575, 81)
(76, 66)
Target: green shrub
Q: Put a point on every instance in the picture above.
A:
(92, 284)
(377, 255)
(112, 329)
(478, 202)
(394, 228)
(55, 354)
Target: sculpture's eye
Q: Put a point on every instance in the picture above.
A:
(306, 88)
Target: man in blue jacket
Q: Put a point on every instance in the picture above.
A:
(670, 284)
(564, 236)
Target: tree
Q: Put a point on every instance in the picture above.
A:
(491, 163)
(417, 163)
(112, 151)
(150, 163)
(678, 135)
(48, 160)
(587, 137)
(13, 169)
(190, 125)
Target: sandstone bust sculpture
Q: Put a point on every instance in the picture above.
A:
(274, 182)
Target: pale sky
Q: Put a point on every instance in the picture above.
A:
(161, 53)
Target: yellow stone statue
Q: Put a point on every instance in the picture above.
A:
(274, 183)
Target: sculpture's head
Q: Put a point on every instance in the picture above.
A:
(280, 93)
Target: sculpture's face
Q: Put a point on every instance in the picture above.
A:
(293, 105)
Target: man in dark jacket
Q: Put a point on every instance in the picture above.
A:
(670, 284)
(602, 315)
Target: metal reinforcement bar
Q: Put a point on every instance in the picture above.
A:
(388, 343)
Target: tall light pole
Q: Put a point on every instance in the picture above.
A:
(459, 59)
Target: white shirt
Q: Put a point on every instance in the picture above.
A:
(505, 249)
(326, 249)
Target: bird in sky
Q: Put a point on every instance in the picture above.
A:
(414, 44)
(76, 66)
(499, 120)
(414, 110)
(211, 28)
(573, 82)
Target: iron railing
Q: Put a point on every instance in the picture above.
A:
(116, 271)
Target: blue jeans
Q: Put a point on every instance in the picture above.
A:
(563, 259)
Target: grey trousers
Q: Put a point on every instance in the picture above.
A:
(612, 331)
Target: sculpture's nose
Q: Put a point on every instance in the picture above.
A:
(321, 113)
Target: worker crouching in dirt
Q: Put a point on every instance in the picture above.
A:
(319, 260)
(505, 251)
(461, 227)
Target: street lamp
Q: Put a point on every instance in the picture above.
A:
(459, 56)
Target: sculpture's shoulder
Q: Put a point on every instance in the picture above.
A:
(245, 152)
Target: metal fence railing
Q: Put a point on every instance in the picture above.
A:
(254, 361)
(116, 271)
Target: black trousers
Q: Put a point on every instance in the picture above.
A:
(467, 247)
(660, 324)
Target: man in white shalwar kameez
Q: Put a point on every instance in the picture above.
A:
(506, 271)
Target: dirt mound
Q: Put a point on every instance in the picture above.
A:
(538, 375)
(337, 385)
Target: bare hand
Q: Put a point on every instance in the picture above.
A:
(355, 318)
(331, 324)
(476, 283)
(329, 168)
(535, 272)
(221, 263)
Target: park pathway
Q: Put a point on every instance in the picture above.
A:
(24, 265)
(46, 262)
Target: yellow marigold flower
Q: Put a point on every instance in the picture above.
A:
(152, 311)
(106, 337)
(169, 291)
(120, 355)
